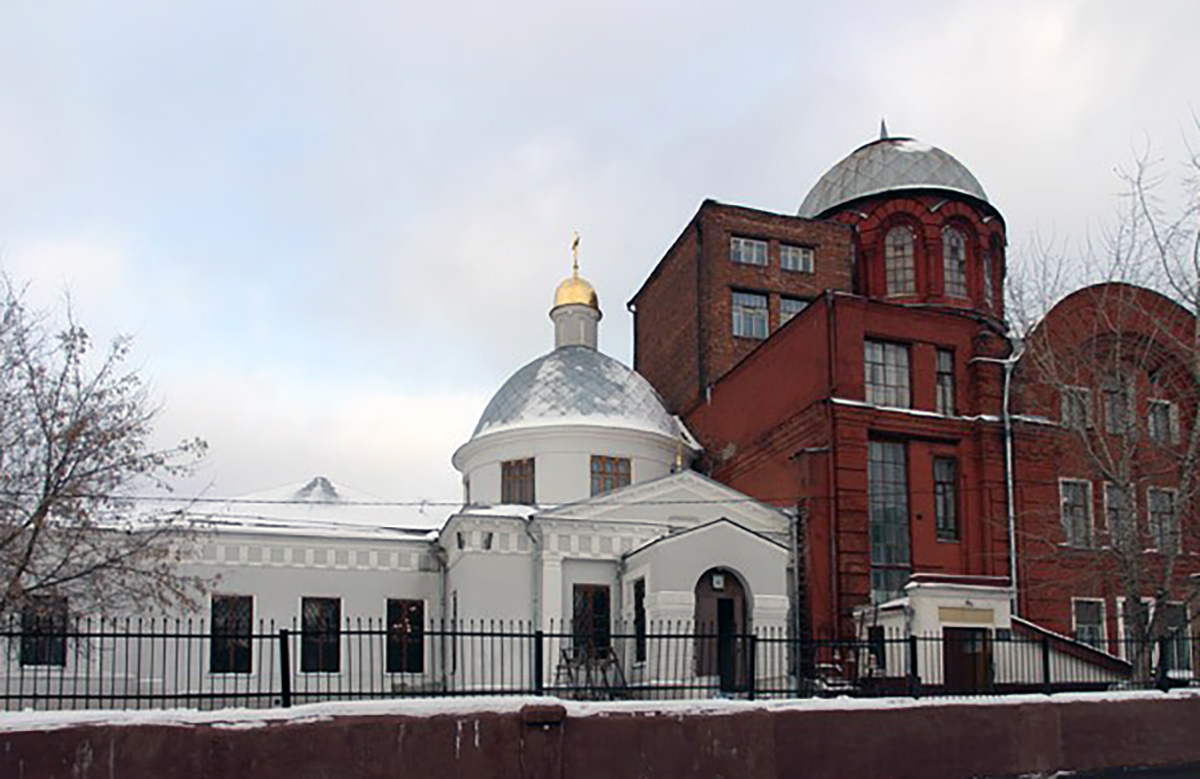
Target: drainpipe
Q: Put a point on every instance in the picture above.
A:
(535, 571)
(1016, 349)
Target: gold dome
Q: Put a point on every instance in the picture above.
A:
(576, 291)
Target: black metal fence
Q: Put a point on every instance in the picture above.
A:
(134, 664)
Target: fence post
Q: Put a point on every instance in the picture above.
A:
(285, 670)
(539, 681)
(1163, 680)
(751, 661)
(914, 673)
(1047, 685)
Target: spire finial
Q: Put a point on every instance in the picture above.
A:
(882, 129)
(575, 255)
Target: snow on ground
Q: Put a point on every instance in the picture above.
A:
(469, 706)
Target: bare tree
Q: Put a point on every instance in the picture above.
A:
(1115, 366)
(74, 450)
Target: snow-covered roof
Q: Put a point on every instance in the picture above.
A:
(576, 385)
(319, 507)
(887, 165)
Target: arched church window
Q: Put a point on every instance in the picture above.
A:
(899, 266)
(954, 257)
(989, 290)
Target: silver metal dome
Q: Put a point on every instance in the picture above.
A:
(576, 385)
(887, 165)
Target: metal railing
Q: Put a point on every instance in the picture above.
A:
(148, 663)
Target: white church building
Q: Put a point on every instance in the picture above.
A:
(580, 519)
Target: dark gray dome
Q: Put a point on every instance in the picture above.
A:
(887, 165)
(576, 385)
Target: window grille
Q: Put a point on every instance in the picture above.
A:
(230, 650)
(320, 634)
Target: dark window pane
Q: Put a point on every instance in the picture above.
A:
(406, 636)
(44, 632)
(320, 637)
(230, 650)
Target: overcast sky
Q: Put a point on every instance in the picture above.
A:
(335, 228)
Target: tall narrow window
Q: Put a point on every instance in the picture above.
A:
(1177, 632)
(748, 251)
(639, 620)
(1118, 401)
(517, 482)
(590, 624)
(886, 374)
(1162, 422)
(44, 631)
(609, 473)
(230, 650)
(1162, 525)
(405, 636)
(945, 496)
(887, 491)
(1076, 408)
(899, 265)
(796, 258)
(320, 634)
(954, 262)
(1118, 510)
(989, 283)
(945, 382)
(1088, 616)
(749, 315)
(789, 307)
(1076, 502)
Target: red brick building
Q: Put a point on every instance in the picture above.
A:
(875, 405)
(1106, 400)
(854, 362)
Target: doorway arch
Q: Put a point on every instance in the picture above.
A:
(721, 627)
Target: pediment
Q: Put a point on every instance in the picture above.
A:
(681, 500)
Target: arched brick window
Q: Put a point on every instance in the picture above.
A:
(954, 262)
(898, 261)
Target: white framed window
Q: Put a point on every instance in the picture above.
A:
(749, 315)
(796, 258)
(789, 307)
(748, 251)
(898, 261)
(954, 262)
(1162, 525)
(1076, 412)
(1118, 510)
(1075, 501)
(886, 378)
(945, 382)
(887, 500)
(1162, 422)
(1087, 622)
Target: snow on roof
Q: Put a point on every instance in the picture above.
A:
(576, 385)
(888, 165)
(319, 507)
